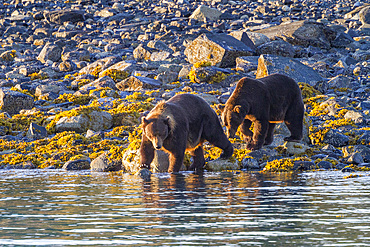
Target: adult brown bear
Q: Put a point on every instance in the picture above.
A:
(265, 102)
(182, 123)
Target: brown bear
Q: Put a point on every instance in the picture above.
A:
(264, 102)
(182, 123)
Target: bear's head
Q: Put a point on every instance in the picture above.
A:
(232, 117)
(156, 130)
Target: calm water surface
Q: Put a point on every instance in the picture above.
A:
(214, 209)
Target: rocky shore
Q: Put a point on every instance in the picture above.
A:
(77, 75)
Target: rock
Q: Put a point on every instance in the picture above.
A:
(134, 83)
(324, 165)
(204, 12)
(304, 33)
(356, 117)
(250, 164)
(95, 120)
(219, 49)
(98, 66)
(295, 148)
(43, 89)
(277, 47)
(13, 101)
(247, 64)
(79, 164)
(243, 37)
(65, 15)
(144, 174)
(339, 81)
(36, 132)
(302, 165)
(50, 52)
(91, 133)
(258, 38)
(7, 56)
(102, 82)
(222, 165)
(335, 138)
(354, 158)
(364, 16)
(160, 163)
(270, 64)
(103, 164)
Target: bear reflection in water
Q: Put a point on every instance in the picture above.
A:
(264, 102)
(182, 124)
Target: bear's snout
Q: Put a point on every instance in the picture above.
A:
(157, 143)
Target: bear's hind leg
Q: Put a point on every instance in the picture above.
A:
(198, 158)
(294, 122)
(270, 134)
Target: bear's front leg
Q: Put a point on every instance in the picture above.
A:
(259, 134)
(176, 160)
(245, 129)
(146, 153)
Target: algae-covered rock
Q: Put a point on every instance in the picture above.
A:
(222, 165)
(95, 120)
(79, 164)
(219, 49)
(270, 64)
(13, 101)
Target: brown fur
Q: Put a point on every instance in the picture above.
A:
(264, 102)
(182, 123)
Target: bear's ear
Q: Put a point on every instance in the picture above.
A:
(144, 120)
(221, 107)
(237, 109)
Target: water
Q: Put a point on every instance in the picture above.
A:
(214, 209)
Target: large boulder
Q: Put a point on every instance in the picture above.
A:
(304, 33)
(219, 165)
(95, 120)
(219, 49)
(270, 64)
(13, 101)
(364, 16)
(204, 12)
(103, 164)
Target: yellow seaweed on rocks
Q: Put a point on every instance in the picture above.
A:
(75, 99)
(282, 165)
(307, 90)
(115, 74)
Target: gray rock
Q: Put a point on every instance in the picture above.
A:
(13, 101)
(219, 49)
(101, 82)
(243, 37)
(355, 116)
(222, 165)
(258, 38)
(270, 64)
(50, 52)
(79, 164)
(134, 83)
(43, 89)
(304, 33)
(335, 138)
(103, 164)
(36, 132)
(277, 47)
(167, 77)
(143, 53)
(354, 158)
(364, 16)
(145, 174)
(61, 16)
(250, 164)
(247, 64)
(100, 64)
(295, 148)
(95, 120)
(339, 81)
(324, 165)
(204, 12)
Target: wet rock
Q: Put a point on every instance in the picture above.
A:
(302, 165)
(222, 165)
(145, 174)
(295, 148)
(250, 164)
(95, 120)
(354, 158)
(270, 64)
(36, 132)
(347, 169)
(12, 101)
(79, 164)
(133, 83)
(205, 13)
(219, 49)
(324, 165)
(103, 164)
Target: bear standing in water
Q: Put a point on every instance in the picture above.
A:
(264, 102)
(182, 123)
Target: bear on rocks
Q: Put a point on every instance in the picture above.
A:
(182, 123)
(264, 102)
